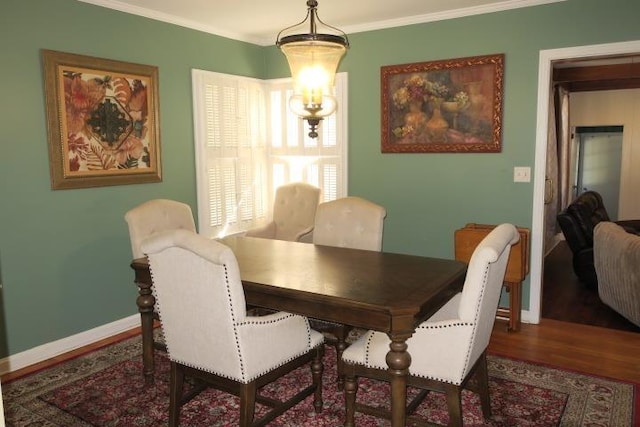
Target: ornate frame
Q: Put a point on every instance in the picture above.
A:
(447, 106)
(102, 121)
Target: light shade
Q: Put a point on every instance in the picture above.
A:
(313, 58)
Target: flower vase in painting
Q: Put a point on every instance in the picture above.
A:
(437, 126)
(451, 105)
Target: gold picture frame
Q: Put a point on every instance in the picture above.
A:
(102, 121)
(447, 106)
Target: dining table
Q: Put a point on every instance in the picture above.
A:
(388, 292)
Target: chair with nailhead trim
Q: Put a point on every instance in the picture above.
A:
(448, 350)
(294, 212)
(154, 216)
(348, 222)
(210, 337)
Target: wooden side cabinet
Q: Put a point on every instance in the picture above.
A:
(465, 241)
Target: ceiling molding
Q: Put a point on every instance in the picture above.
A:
(125, 7)
(445, 15)
(165, 17)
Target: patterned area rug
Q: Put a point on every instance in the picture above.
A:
(105, 388)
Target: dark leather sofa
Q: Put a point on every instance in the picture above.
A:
(577, 222)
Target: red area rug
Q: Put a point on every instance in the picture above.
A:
(105, 388)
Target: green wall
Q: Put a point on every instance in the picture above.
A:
(430, 195)
(64, 254)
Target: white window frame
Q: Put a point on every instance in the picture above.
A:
(279, 149)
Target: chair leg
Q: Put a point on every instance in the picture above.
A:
(317, 367)
(454, 404)
(176, 381)
(340, 348)
(482, 379)
(350, 390)
(247, 403)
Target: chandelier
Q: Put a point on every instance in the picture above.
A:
(313, 58)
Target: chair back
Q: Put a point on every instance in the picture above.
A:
(294, 210)
(154, 216)
(617, 263)
(579, 219)
(200, 300)
(350, 222)
(483, 284)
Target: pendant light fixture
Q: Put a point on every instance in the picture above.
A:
(313, 58)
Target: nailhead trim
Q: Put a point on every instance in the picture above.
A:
(247, 321)
(243, 369)
(473, 324)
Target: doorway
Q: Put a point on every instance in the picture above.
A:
(547, 59)
(598, 158)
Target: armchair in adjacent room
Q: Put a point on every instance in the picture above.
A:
(294, 211)
(448, 350)
(210, 337)
(577, 223)
(616, 255)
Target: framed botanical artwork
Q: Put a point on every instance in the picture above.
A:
(448, 106)
(102, 121)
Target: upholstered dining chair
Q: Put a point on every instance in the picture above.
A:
(294, 211)
(448, 350)
(153, 216)
(349, 222)
(201, 302)
(156, 215)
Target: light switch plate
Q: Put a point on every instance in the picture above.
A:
(521, 174)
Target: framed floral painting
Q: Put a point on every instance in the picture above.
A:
(102, 121)
(453, 105)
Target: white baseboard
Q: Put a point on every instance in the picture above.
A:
(64, 345)
(525, 317)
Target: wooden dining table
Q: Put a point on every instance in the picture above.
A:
(381, 291)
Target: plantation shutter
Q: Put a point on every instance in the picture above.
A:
(294, 156)
(248, 143)
(230, 152)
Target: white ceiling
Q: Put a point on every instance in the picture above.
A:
(259, 22)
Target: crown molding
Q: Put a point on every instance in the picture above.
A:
(378, 25)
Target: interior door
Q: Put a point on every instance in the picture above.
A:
(598, 165)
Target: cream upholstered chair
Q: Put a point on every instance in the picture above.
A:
(616, 253)
(350, 222)
(294, 211)
(449, 348)
(196, 282)
(156, 215)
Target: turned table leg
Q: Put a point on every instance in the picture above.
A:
(398, 360)
(145, 303)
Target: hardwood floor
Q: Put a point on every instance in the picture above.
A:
(589, 349)
(577, 330)
(70, 355)
(565, 298)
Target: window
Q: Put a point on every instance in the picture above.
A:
(247, 144)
